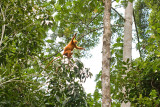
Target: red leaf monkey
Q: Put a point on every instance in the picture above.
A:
(71, 45)
(69, 48)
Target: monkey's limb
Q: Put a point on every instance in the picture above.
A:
(74, 37)
(69, 55)
(78, 47)
(52, 61)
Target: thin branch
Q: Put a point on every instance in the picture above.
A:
(118, 13)
(8, 81)
(102, 11)
(89, 33)
(70, 22)
(53, 55)
(78, 18)
(5, 44)
(3, 26)
(14, 80)
(95, 17)
(137, 33)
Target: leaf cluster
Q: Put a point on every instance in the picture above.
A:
(65, 84)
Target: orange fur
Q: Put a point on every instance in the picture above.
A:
(69, 48)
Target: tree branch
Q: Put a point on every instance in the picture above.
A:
(89, 33)
(118, 13)
(14, 80)
(95, 17)
(137, 33)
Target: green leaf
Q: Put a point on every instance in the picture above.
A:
(128, 60)
(117, 1)
(49, 41)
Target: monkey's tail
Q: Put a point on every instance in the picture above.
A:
(52, 61)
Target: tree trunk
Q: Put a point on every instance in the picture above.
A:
(127, 47)
(106, 57)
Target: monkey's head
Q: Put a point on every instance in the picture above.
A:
(75, 42)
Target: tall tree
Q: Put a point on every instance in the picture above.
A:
(127, 46)
(106, 55)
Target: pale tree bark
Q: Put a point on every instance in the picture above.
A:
(106, 56)
(127, 47)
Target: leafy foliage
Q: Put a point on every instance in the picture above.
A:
(20, 50)
(64, 88)
(24, 47)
